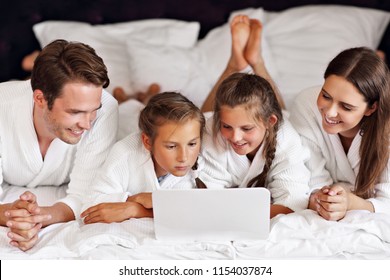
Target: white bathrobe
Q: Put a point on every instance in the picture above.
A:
(328, 162)
(287, 179)
(129, 170)
(20, 156)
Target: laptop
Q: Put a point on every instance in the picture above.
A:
(210, 214)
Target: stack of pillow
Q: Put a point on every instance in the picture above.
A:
(297, 45)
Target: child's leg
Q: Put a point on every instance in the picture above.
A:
(240, 30)
(253, 48)
(255, 59)
(381, 54)
(28, 61)
(120, 95)
(144, 97)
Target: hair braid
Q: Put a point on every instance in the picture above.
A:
(198, 182)
(269, 155)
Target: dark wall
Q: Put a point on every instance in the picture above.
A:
(18, 16)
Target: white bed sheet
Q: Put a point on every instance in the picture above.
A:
(304, 235)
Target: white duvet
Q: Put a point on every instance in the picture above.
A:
(303, 235)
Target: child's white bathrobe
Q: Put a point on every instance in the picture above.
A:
(287, 179)
(129, 170)
(21, 162)
(328, 162)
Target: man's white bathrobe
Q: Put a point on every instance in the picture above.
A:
(328, 162)
(21, 162)
(287, 179)
(129, 170)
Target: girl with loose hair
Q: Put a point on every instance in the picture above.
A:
(248, 143)
(346, 125)
(163, 155)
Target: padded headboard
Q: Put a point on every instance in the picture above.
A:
(18, 16)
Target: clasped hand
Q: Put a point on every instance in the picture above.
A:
(330, 202)
(25, 220)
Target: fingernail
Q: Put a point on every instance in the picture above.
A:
(10, 235)
(9, 224)
(7, 214)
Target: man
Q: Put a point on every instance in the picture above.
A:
(54, 131)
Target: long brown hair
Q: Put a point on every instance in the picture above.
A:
(370, 76)
(258, 97)
(170, 107)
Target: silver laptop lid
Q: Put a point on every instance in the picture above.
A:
(209, 214)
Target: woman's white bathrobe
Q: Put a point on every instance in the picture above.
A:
(129, 170)
(328, 162)
(21, 162)
(287, 178)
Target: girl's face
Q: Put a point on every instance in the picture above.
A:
(175, 148)
(342, 107)
(241, 131)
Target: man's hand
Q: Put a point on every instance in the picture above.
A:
(25, 221)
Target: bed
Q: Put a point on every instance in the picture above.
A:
(185, 48)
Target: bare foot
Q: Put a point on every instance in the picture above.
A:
(240, 30)
(253, 48)
(144, 97)
(381, 54)
(120, 95)
(28, 61)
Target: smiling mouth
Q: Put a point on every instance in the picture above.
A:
(331, 122)
(238, 146)
(76, 132)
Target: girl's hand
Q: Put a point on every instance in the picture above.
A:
(145, 199)
(114, 212)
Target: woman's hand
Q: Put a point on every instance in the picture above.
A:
(331, 202)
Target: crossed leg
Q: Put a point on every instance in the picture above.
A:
(240, 31)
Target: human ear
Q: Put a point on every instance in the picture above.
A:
(371, 109)
(39, 98)
(146, 141)
(272, 120)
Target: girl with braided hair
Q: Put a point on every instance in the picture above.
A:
(248, 143)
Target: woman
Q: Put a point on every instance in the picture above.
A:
(347, 127)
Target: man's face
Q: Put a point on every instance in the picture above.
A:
(73, 112)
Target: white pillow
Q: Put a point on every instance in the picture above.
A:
(173, 68)
(216, 46)
(303, 40)
(109, 40)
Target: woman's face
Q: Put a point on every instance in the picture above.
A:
(240, 130)
(342, 107)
